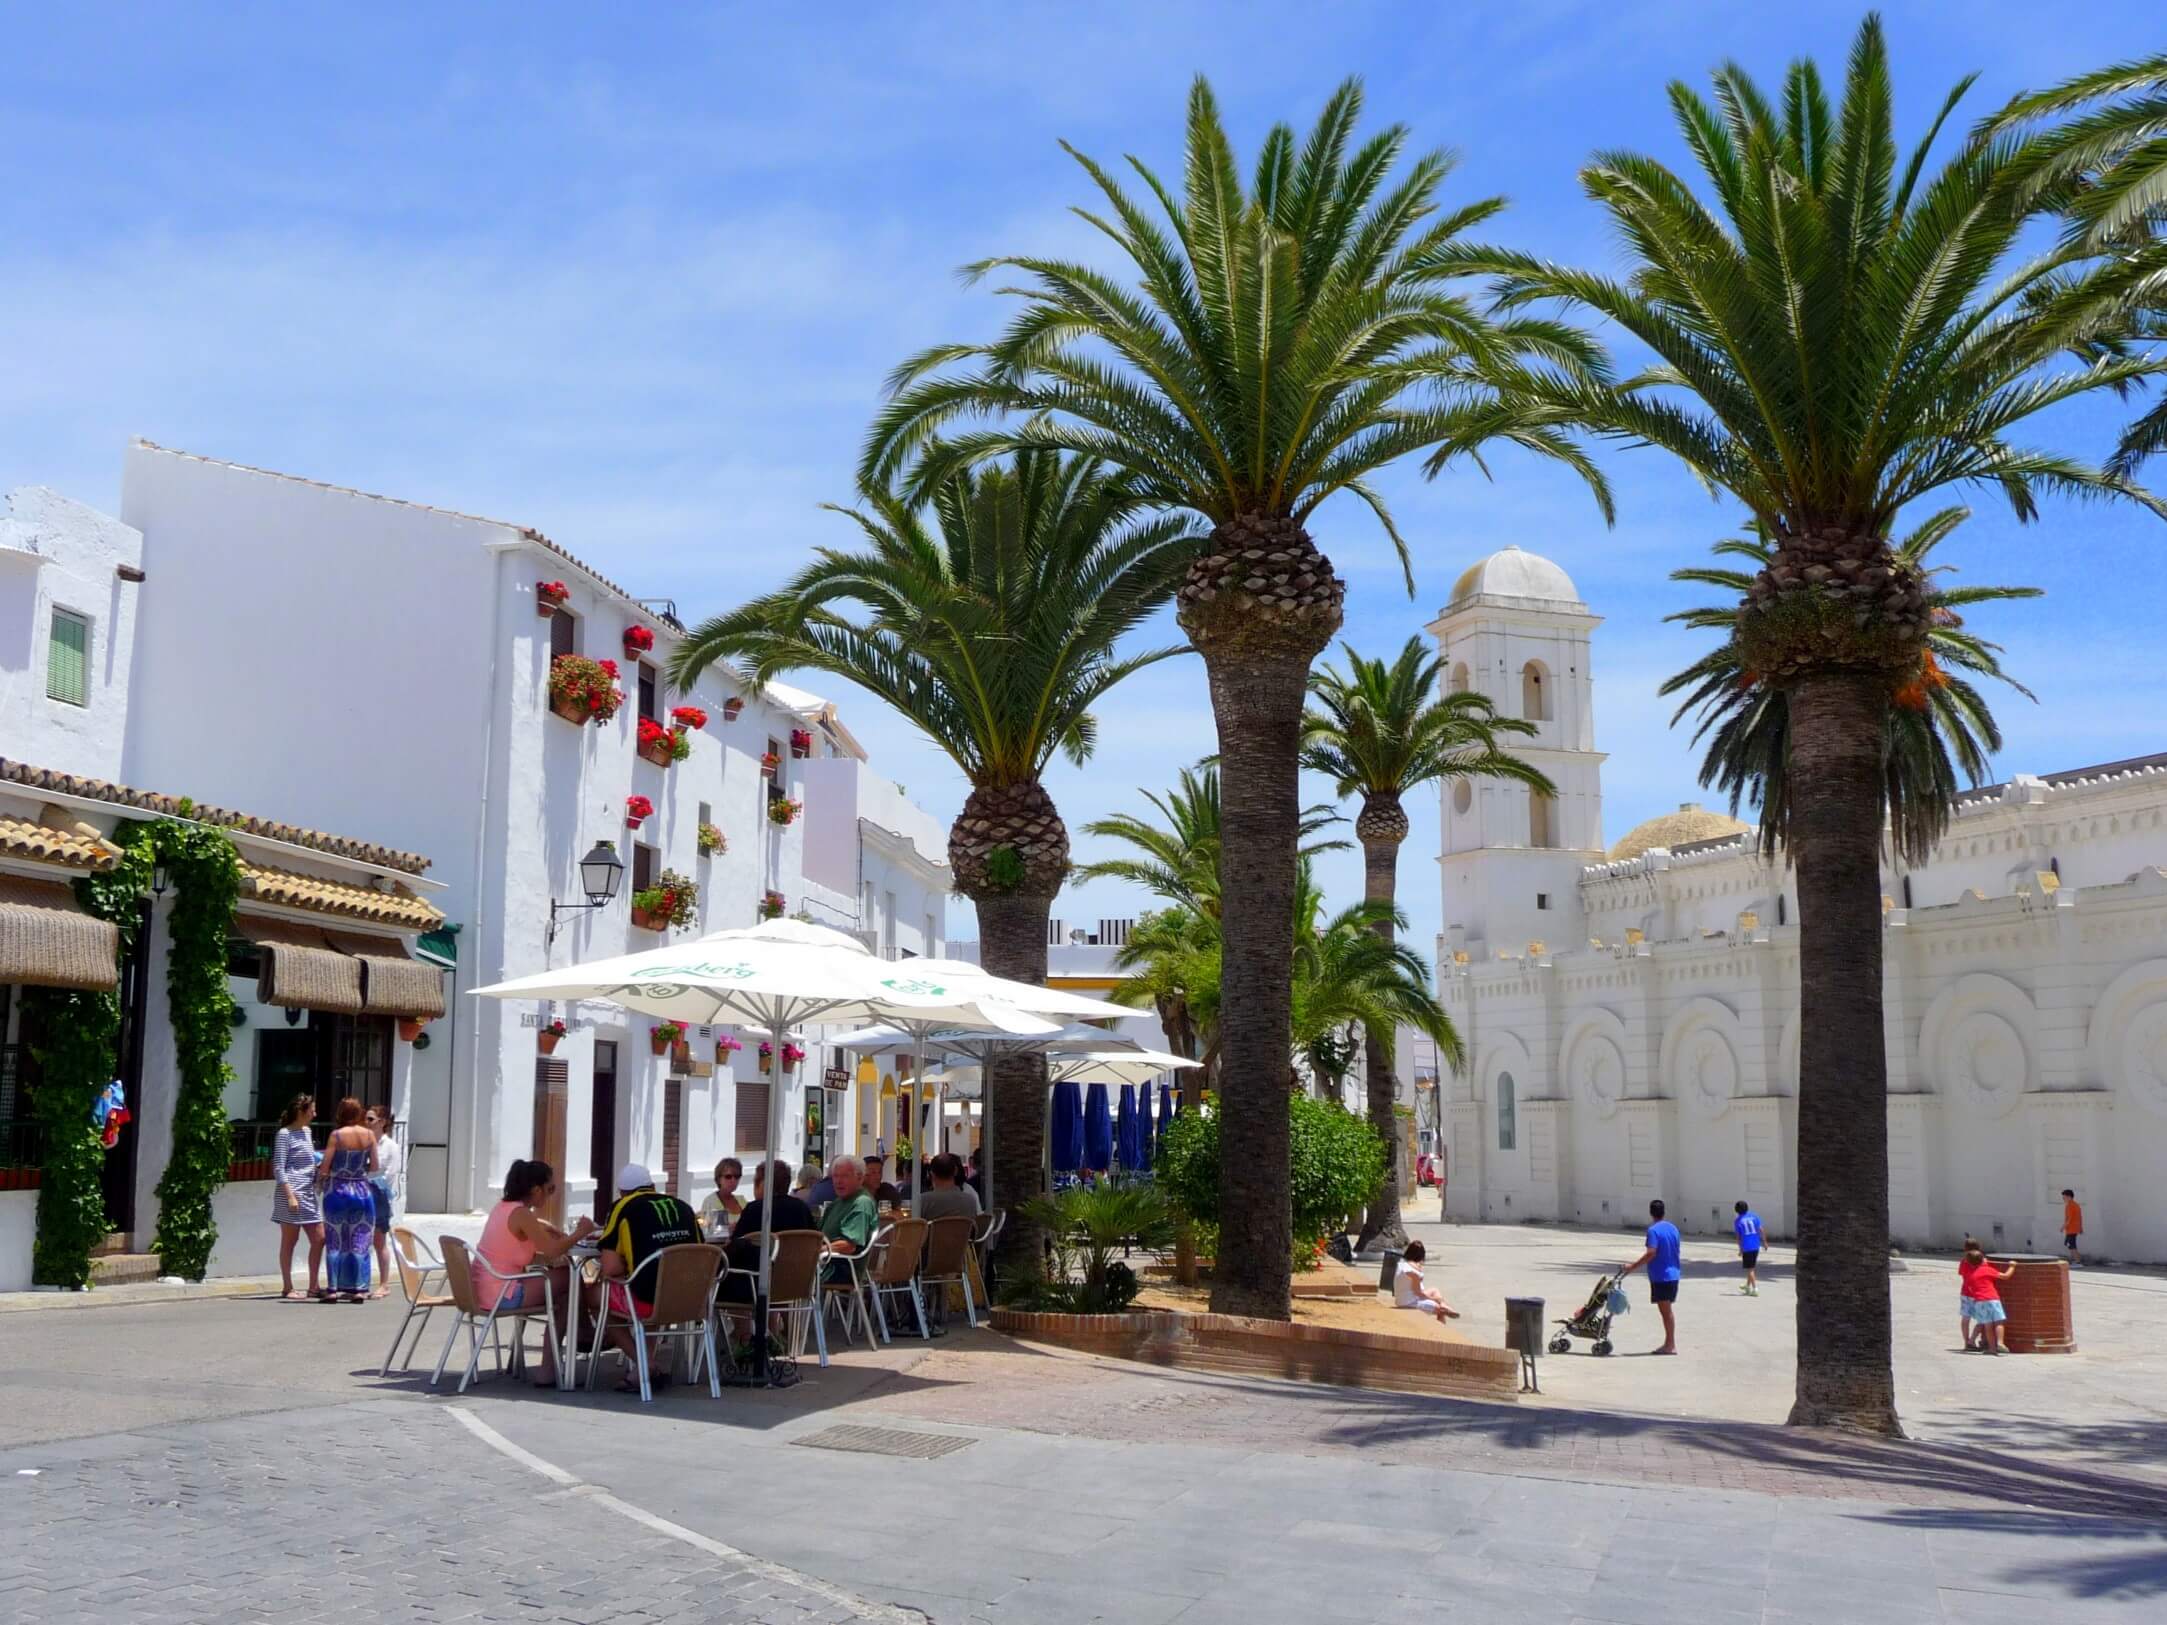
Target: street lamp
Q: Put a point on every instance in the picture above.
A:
(600, 873)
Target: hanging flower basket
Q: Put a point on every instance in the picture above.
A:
(410, 1027)
(771, 906)
(638, 640)
(549, 1037)
(583, 690)
(661, 745)
(770, 763)
(688, 716)
(731, 708)
(782, 810)
(767, 1057)
(725, 1047)
(665, 1035)
(711, 840)
(637, 810)
(549, 597)
(672, 900)
(791, 1056)
(801, 742)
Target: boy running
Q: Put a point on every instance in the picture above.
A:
(2072, 1227)
(1748, 1227)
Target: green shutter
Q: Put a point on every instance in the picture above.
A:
(67, 659)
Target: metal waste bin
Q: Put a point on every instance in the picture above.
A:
(1388, 1266)
(1523, 1335)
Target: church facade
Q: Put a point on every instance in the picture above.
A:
(1631, 1011)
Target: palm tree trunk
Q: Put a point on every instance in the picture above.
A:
(1845, 1377)
(1012, 943)
(1380, 884)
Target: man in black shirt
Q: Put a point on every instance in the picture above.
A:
(791, 1213)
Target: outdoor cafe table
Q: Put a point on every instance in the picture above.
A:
(578, 1258)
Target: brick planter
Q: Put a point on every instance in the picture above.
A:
(1242, 1346)
(658, 754)
(2037, 1299)
(570, 709)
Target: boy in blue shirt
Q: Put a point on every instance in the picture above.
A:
(1664, 1270)
(1748, 1227)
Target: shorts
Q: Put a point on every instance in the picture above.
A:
(1750, 1260)
(382, 1192)
(1984, 1311)
(514, 1295)
(1662, 1291)
(626, 1307)
(2070, 1240)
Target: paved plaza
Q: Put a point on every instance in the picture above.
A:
(239, 1459)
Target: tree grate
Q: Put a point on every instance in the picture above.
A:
(884, 1442)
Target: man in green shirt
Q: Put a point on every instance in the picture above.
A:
(849, 1221)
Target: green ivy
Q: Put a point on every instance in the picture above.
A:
(206, 876)
(75, 1061)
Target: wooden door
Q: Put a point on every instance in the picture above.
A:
(552, 1087)
(602, 1128)
(673, 1131)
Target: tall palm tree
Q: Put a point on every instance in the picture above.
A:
(1171, 962)
(1940, 731)
(1178, 860)
(992, 618)
(1352, 977)
(1280, 344)
(1379, 730)
(1838, 334)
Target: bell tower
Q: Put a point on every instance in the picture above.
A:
(1516, 631)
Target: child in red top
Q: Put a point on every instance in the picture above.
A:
(1982, 1297)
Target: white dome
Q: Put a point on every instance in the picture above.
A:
(1512, 573)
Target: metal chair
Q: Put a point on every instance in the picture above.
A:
(416, 1263)
(468, 1276)
(985, 1236)
(857, 1295)
(683, 1282)
(894, 1273)
(947, 1258)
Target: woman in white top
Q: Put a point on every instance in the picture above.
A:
(1409, 1291)
(389, 1185)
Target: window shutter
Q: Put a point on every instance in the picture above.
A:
(752, 1104)
(67, 659)
(560, 635)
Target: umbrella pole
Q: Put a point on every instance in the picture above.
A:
(762, 1331)
(917, 1107)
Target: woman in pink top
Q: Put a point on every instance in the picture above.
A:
(514, 1236)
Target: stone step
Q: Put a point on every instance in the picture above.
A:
(117, 1241)
(118, 1269)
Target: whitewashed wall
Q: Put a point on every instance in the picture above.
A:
(57, 552)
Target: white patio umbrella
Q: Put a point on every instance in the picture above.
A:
(983, 1046)
(1115, 1066)
(775, 975)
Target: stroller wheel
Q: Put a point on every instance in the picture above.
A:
(1602, 1346)
(1561, 1344)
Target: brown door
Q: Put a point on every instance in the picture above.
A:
(552, 1086)
(602, 1130)
(673, 1131)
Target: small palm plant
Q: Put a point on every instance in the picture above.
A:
(1087, 1225)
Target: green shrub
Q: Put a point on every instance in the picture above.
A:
(1336, 1162)
(1086, 1226)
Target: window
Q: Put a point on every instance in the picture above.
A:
(1505, 1135)
(647, 693)
(1459, 678)
(643, 866)
(707, 813)
(1542, 899)
(1782, 909)
(868, 910)
(1463, 796)
(887, 925)
(563, 635)
(752, 1104)
(1541, 820)
(932, 938)
(67, 659)
(1534, 692)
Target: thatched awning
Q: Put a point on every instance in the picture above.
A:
(392, 982)
(301, 969)
(46, 940)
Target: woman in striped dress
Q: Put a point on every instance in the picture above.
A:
(349, 1203)
(296, 1201)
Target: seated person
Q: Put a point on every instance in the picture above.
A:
(948, 1196)
(882, 1191)
(850, 1220)
(719, 1212)
(641, 1223)
(515, 1239)
(1409, 1292)
(744, 1251)
(817, 1188)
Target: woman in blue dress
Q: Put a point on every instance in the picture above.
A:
(297, 1206)
(349, 1203)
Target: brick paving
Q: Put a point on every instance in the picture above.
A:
(367, 1512)
(1050, 1391)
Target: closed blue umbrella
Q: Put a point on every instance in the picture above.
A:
(1067, 1128)
(1146, 1130)
(1098, 1134)
(1128, 1132)
(1168, 1111)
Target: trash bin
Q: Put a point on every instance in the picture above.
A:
(2037, 1301)
(1523, 1324)
(1388, 1265)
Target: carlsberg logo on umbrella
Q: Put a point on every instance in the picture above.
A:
(904, 984)
(704, 971)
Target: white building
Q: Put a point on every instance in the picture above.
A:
(359, 662)
(1632, 1014)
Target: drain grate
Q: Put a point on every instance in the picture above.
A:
(884, 1442)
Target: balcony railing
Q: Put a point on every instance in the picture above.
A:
(22, 1153)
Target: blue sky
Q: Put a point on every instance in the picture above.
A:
(635, 280)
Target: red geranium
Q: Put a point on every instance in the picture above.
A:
(652, 732)
(691, 716)
(638, 640)
(555, 591)
(638, 807)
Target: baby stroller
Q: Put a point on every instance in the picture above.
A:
(1593, 1320)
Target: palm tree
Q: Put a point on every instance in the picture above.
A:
(995, 633)
(1939, 731)
(1279, 344)
(1836, 336)
(1171, 963)
(1353, 978)
(1178, 860)
(1378, 731)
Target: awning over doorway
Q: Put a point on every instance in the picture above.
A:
(392, 983)
(301, 969)
(46, 940)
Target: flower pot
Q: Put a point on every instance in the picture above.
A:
(766, 1064)
(661, 1043)
(634, 820)
(681, 1052)
(547, 1042)
(730, 709)
(410, 1027)
(657, 753)
(546, 607)
(648, 921)
(570, 709)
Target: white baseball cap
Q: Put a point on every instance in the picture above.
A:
(633, 1177)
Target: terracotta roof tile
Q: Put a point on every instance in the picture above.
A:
(19, 838)
(398, 907)
(120, 795)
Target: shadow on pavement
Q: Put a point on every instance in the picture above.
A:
(2123, 1575)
